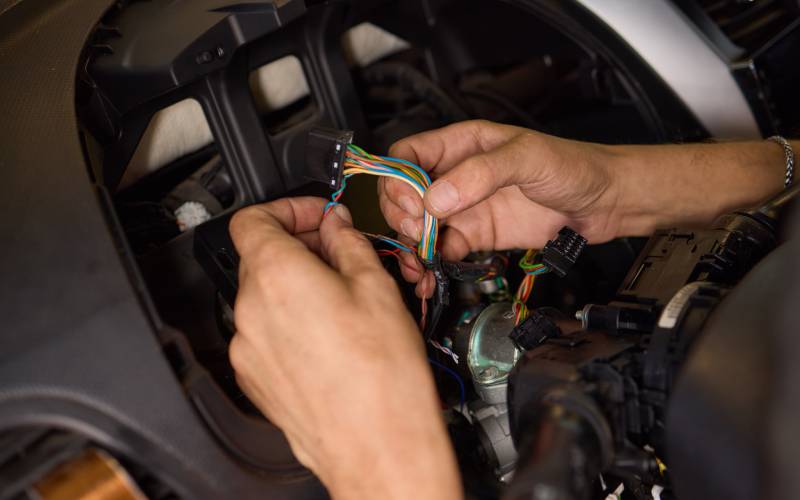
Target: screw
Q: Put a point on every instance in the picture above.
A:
(489, 373)
(205, 57)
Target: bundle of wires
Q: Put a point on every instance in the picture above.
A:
(532, 269)
(397, 248)
(357, 161)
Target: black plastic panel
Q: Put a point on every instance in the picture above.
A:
(80, 347)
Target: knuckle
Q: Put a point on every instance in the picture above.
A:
(481, 171)
(480, 124)
(242, 219)
(394, 188)
(236, 354)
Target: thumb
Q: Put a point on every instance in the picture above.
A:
(345, 248)
(476, 179)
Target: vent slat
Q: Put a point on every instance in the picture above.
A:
(749, 24)
(750, 15)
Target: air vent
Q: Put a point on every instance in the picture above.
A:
(751, 23)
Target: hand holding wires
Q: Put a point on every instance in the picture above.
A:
(357, 161)
(398, 248)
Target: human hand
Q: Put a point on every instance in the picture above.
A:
(327, 351)
(501, 187)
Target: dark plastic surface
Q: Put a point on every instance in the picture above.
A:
(729, 427)
(325, 151)
(769, 81)
(209, 58)
(81, 347)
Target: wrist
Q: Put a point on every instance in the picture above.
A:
(663, 186)
(635, 211)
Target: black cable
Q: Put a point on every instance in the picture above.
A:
(524, 118)
(773, 207)
(416, 83)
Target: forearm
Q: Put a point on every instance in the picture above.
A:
(662, 186)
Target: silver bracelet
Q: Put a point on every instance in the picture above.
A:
(789, 153)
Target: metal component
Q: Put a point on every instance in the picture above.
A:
(490, 353)
(93, 475)
(488, 287)
(789, 154)
(663, 37)
(495, 435)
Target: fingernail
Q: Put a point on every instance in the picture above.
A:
(410, 228)
(409, 205)
(443, 197)
(343, 213)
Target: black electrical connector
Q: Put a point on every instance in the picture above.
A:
(441, 294)
(472, 271)
(325, 151)
(533, 331)
(562, 253)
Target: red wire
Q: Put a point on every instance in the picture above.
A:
(424, 304)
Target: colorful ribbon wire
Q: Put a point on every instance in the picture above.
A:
(357, 161)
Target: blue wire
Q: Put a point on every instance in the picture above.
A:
(431, 248)
(412, 165)
(409, 178)
(537, 272)
(395, 244)
(337, 192)
(455, 376)
(403, 175)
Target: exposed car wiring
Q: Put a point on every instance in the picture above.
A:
(532, 269)
(445, 350)
(456, 376)
(357, 161)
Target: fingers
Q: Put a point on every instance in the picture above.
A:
(410, 267)
(344, 247)
(401, 207)
(402, 195)
(439, 150)
(253, 227)
(477, 178)
(400, 220)
(425, 286)
(455, 245)
(312, 240)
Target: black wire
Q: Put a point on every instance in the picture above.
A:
(524, 118)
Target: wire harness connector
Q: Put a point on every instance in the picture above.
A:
(533, 331)
(325, 152)
(561, 254)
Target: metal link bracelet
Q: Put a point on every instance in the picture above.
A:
(789, 153)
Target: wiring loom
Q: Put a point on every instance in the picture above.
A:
(357, 161)
(532, 269)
